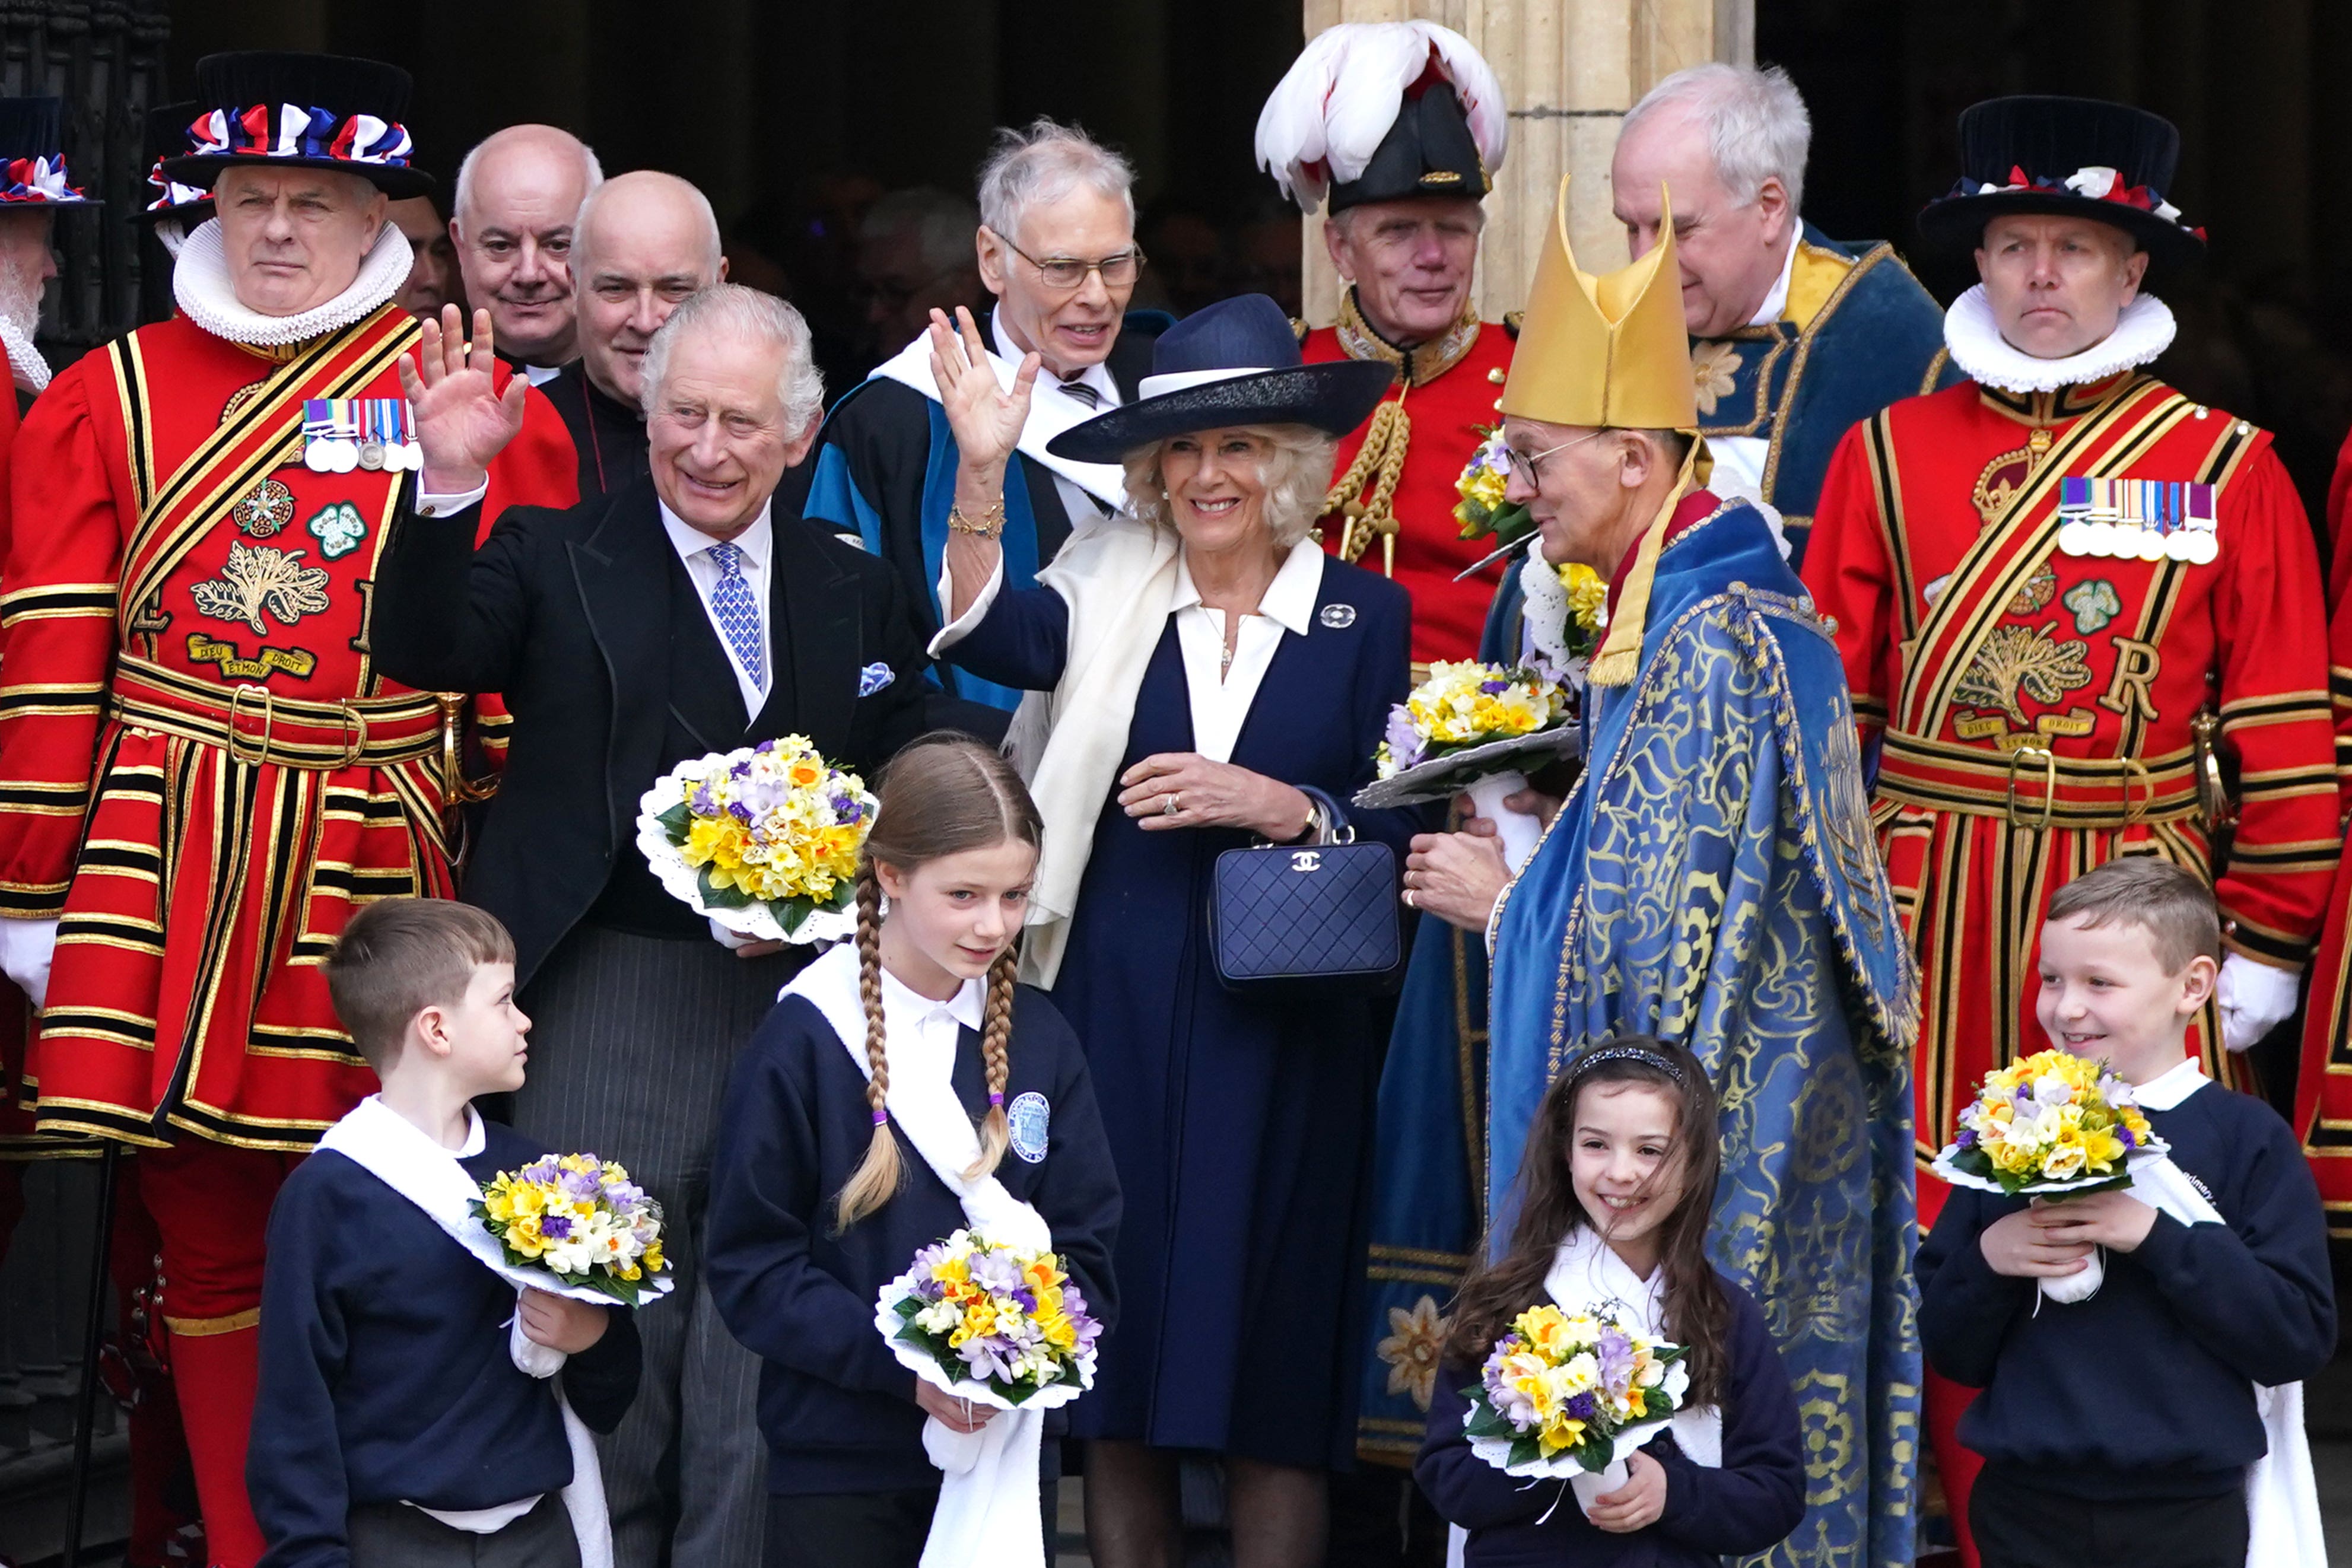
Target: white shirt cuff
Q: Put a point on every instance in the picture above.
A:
(450, 505)
(957, 630)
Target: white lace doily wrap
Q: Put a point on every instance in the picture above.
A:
(2084, 1284)
(684, 881)
(1585, 1276)
(1442, 777)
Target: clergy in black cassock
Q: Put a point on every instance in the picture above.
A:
(644, 242)
(687, 613)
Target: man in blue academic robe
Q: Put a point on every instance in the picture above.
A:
(1056, 246)
(1712, 880)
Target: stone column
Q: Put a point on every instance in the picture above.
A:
(1571, 69)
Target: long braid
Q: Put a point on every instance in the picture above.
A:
(995, 1033)
(878, 1175)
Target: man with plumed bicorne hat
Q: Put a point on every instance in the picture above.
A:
(1712, 880)
(1397, 129)
(202, 772)
(2066, 597)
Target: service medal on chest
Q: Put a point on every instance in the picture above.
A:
(2138, 519)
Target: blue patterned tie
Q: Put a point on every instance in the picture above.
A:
(738, 613)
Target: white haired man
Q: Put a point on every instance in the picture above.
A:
(1402, 174)
(212, 492)
(643, 243)
(1795, 337)
(724, 622)
(519, 194)
(1056, 246)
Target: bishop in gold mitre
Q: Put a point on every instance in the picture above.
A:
(1713, 881)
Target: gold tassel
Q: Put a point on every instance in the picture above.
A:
(1620, 656)
(1380, 464)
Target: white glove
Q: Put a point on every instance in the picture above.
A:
(25, 947)
(2252, 997)
(733, 941)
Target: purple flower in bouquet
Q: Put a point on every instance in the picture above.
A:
(997, 1271)
(1493, 688)
(1403, 740)
(1615, 1354)
(555, 1227)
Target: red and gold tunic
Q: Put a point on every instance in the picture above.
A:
(201, 771)
(2324, 1093)
(2040, 712)
(17, 1135)
(1445, 393)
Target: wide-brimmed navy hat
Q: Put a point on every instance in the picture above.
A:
(1232, 363)
(2076, 156)
(290, 109)
(32, 156)
(167, 137)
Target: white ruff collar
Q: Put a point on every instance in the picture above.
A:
(200, 283)
(24, 358)
(2143, 332)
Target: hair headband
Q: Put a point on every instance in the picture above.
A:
(1641, 1053)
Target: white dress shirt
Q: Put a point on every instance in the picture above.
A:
(1739, 459)
(1220, 697)
(758, 545)
(921, 1033)
(1080, 505)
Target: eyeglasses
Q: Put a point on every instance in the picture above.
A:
(1064, 273)
(1522, 463)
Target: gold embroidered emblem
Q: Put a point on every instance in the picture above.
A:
(2002, 479)
(265, 509)
(2018, 662)
(2036, 591)
(2133, 689)
(1416, 1342)
(239, 398)
(1715, 372)
(259, 581)
(295, 662)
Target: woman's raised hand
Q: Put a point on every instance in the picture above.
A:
(986, 417)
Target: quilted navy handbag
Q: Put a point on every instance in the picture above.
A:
(1292, 916)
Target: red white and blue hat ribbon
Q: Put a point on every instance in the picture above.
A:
(2094, 183)
(38, 180)
(171, 196)
(290, 130)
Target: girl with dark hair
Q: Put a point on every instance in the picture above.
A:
(872, 1116)
(1613, 1199)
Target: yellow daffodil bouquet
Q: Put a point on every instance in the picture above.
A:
(583, 1221)
(763, 840)
(2052, 1126)
(1481, 511)
(992, 1322)
(1464, 706)
(1569, 1394)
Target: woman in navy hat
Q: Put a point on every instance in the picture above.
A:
(1203, 676)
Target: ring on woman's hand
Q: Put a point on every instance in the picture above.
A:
(1168, 807)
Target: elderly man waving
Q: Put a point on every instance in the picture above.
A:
(1056, 246)
(205, 766)
(602, 628)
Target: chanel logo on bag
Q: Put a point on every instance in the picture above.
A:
(1306, 860)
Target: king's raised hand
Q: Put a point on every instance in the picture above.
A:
(462, 420)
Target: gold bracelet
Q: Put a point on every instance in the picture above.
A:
(990, 525)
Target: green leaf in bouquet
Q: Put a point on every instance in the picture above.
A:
(1524, 1451)
(794, 912)
(1594, 1452)
(676, 822)
(843, 894)
(1485, 1421)
(717, 897)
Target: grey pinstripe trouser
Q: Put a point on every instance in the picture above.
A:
(632, 1039)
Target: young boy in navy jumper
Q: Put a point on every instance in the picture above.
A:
(2119, 1429)
(392, 1424)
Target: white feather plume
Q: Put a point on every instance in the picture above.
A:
(1327, 116)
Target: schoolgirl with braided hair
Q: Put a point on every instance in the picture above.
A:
(903, 1084)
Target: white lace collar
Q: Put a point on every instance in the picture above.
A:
(200, 283)
(2143, 332)
(25, 360)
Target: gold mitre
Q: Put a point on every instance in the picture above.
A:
(1609, 349)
